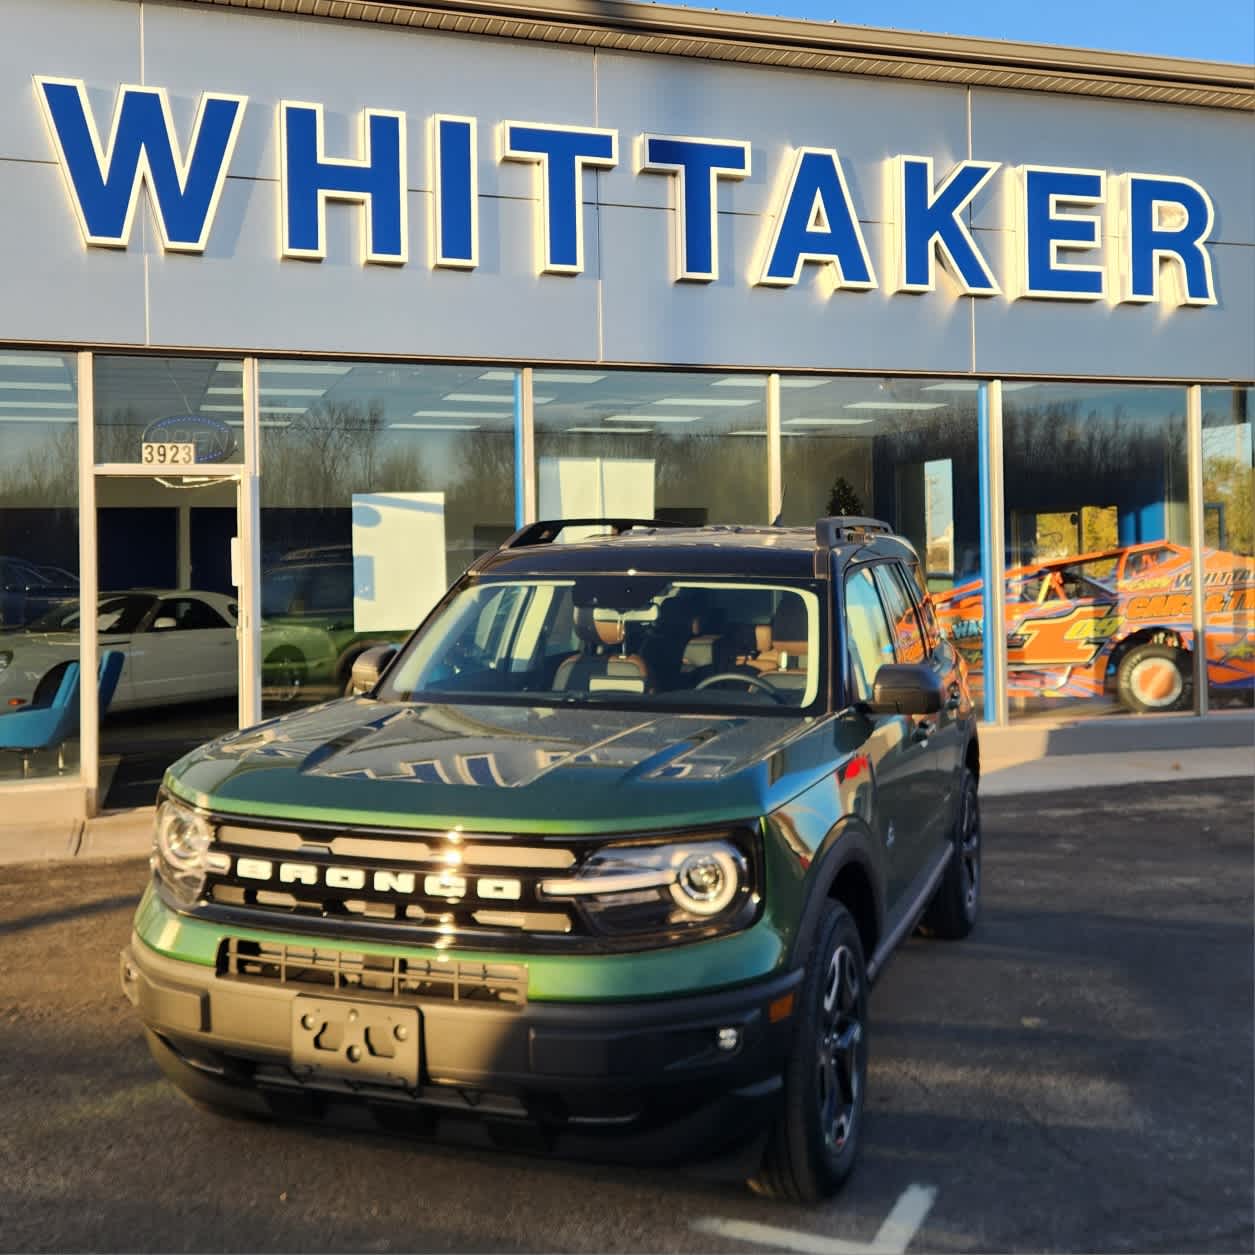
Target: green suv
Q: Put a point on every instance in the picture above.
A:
(604, 860)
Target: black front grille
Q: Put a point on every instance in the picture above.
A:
(353, 972)
(420, 885)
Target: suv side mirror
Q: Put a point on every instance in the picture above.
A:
(368, 668)
(906, 688)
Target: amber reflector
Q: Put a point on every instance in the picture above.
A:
(781, 1009)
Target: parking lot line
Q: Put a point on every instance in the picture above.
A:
(892, 1238)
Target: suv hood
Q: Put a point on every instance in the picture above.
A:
(519, 768)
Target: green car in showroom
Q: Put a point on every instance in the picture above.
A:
(602, 861)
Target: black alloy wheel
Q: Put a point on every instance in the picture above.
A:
(814, 1144)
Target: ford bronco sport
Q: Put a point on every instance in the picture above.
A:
(603, 860)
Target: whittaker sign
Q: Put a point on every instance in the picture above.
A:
(1157, 226)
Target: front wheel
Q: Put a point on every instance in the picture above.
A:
(813, 1146)
(954, 908)
(1154, 678)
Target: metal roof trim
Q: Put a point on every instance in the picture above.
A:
(625, 26)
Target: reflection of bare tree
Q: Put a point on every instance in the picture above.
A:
(325, 455)
(44, 476)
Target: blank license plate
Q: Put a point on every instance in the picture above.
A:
(355, 1041)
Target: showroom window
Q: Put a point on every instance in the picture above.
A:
(1099, 607)
(39, 716)
(901, 450)
(690, 448)
(1229, 545)
(380, 484)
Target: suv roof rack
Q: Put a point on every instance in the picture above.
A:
(547, 531)
(840, 529)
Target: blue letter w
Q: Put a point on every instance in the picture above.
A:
(104, 182)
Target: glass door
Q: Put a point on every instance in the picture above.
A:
(167, 625)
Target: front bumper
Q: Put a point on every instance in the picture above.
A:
(618, 1079)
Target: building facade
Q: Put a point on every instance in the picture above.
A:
(305, 312)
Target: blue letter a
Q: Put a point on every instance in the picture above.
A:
(816, 222)
(104, 181)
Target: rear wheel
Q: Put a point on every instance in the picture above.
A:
(955, 906)
(814, 1144)
(1154, 678)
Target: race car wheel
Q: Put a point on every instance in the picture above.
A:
(813, 1146)
(1154, 678)
(953, 911)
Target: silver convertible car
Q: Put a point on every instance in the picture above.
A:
(180, 646)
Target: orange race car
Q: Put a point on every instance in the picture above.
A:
(1120, 620)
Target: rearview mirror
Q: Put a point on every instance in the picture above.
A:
(165, 624)
(906, 688)
(368, 669)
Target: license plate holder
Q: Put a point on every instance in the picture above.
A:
(356, 1041)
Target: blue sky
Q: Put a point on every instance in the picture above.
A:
(1214, 30)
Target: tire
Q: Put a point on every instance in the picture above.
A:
(1154, 678)
(813, 1146)
(955, 907)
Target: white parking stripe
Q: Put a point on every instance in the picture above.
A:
(903, 1222)
(779, 1239)
(892, 1238)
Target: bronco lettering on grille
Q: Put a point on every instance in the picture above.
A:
(445, 885)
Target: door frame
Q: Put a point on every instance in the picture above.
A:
(246, 562)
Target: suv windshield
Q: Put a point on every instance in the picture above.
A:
(650, 641)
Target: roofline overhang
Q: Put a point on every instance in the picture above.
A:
(753, 39)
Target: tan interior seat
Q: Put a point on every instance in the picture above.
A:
(597, 667)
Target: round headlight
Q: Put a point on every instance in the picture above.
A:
(180, 843)
(707, 881)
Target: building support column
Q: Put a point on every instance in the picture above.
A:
(88, 592)
(993, 551)
(524, 449)
(247, 555)
(1194, 475)
(775, 465)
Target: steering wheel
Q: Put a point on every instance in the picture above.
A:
(744, 677)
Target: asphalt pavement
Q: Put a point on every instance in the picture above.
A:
(1074, 1076)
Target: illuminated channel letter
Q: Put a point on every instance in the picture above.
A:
(1048, 232)
(1166, 220)
(104, 180)
(697, 164)
(931, 225)
(309, 179)
(560, 154)
(815, 221)
(454, 149)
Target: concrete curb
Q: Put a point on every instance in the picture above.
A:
(120, 834)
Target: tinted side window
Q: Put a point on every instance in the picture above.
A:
(867, 632)
(906, 630)
(190, 614)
